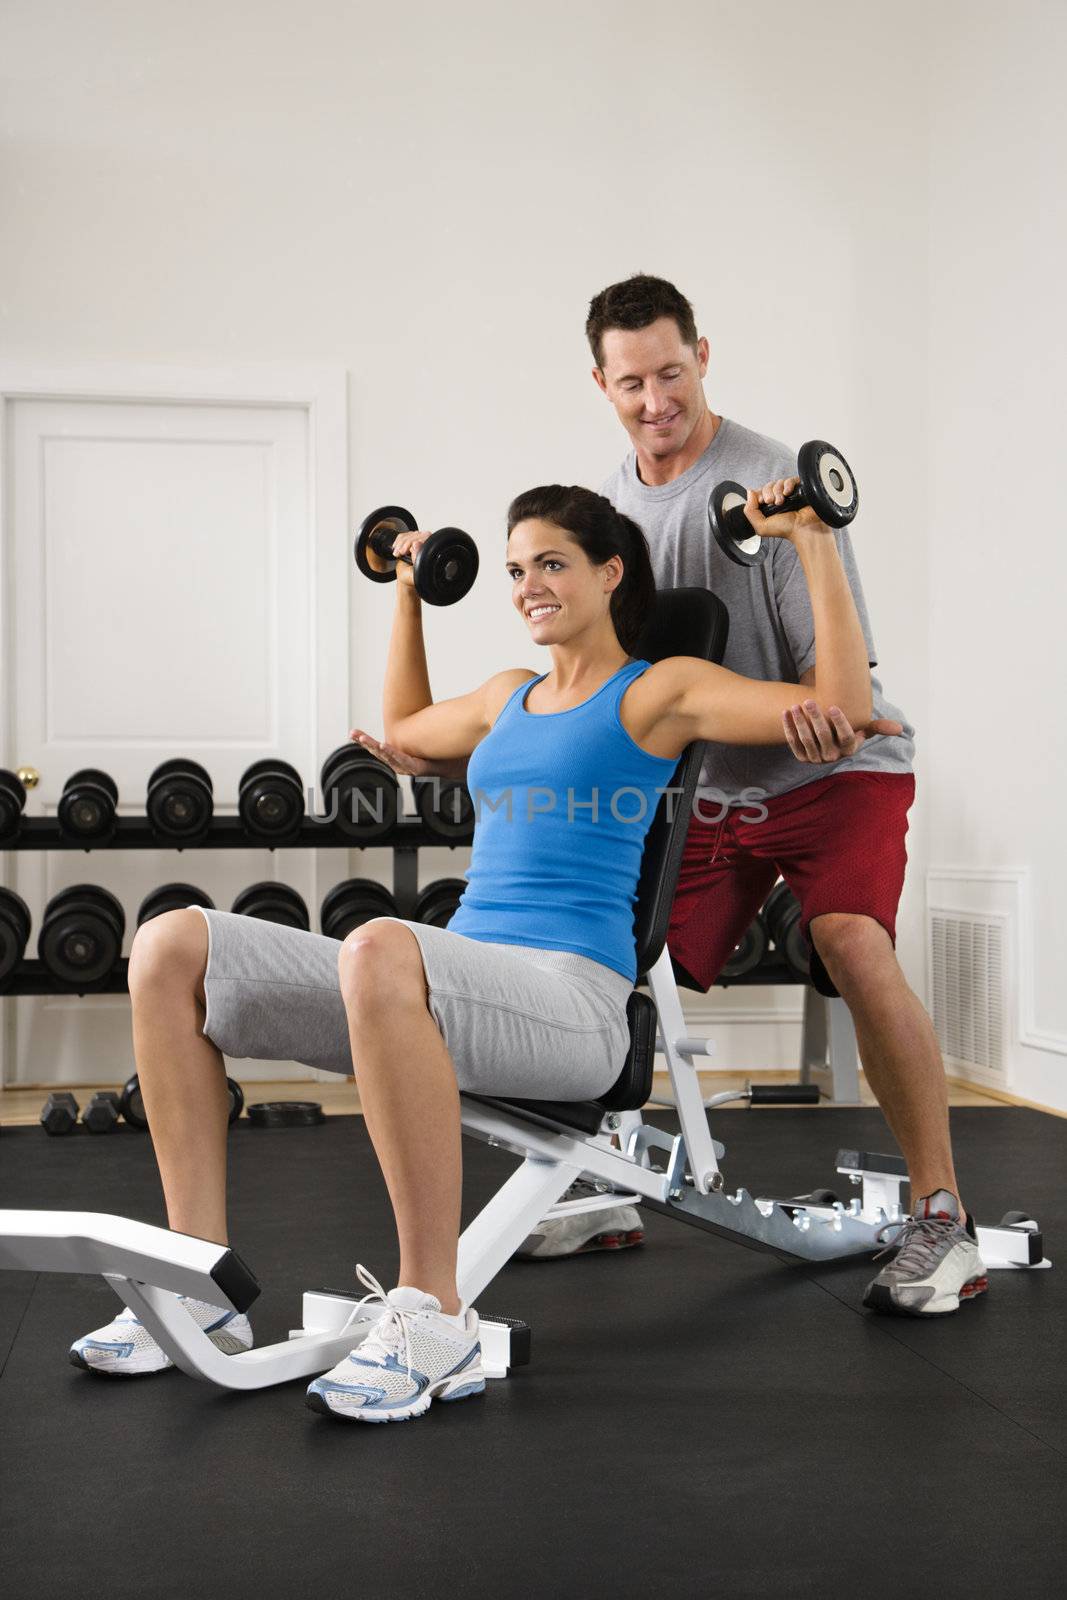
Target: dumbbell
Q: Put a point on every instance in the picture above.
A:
(445, 566)
(172, 897)
(87, 807)
(781, 913)
(445, 806)
(102, 1113)
(12, 804)
(180, 803)
(437, 903)
(360, 793)
(826, 484)
(14, 931)
(271, 800)
(273, 902)
(59, 1114)
(131, 1104)
(748, 952)
(81, 935)
(350, 904)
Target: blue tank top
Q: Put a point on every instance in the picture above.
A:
(562, 803)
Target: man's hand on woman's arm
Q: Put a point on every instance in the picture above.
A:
(817, 738)
(408, 766)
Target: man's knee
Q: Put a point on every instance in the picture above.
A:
(171, 948)
(380, 965)
(853, 948)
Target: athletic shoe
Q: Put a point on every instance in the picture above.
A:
(126, 1349)
(616, 1228)
(936, 1266)
(411, 1355)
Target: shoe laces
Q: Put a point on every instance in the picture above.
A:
(918, 1241)
(392, 1328)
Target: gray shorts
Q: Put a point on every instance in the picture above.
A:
(535, 1024)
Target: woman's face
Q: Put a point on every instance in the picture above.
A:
(554, 585)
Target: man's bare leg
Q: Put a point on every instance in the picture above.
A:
(181, 1074)
(897, 1044)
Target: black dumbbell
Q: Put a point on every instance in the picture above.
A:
(436, 904)
(445, 566)
(271, 800)
(350, 904)
(59, 1113)
(826, 484)
(102, 1113)
(12, 804)
(180, 803)
(172, 897)
(88, 806)
(81, 935)
(14, 931)
(360, 793)
(781, 913)
(273, 902)
(445, 806)
(748, 952)
(131, 1105)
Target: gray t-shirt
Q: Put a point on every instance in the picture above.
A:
(772, 633)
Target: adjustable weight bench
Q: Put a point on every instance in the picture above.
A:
(605, 1142)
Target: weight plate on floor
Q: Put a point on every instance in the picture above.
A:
(286, 1114)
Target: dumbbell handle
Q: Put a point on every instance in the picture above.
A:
(796, 500)
(381, 542)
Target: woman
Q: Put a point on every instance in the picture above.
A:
(525, 992)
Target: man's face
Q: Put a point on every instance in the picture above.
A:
(653, 379)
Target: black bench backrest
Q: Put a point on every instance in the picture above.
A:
(685, 622)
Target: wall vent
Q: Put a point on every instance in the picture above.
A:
(968, 992)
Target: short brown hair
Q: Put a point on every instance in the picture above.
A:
(636, 303)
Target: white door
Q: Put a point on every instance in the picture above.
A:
(168, 594)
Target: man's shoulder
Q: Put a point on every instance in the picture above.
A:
(758, 452)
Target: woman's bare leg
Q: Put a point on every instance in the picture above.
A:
(182, 1075)
(407, 1087)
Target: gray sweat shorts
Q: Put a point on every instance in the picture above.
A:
(517, 1020)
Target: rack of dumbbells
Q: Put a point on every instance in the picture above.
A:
(79, 941)
(773, 950)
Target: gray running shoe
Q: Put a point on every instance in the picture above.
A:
(936, 1266)
(615, 1228)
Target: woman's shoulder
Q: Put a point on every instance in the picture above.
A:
(668, 678)
(501, 686)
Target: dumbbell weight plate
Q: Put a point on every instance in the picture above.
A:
(446, 566)
(749, 951)
(81, 936)
(286, 1114)
(172, 897)
(350, 904)
(393, 519)
(131, 1105)
(59, 1114)
(14, 931)
(86, 808)
(445, 806)
(828, 482)
(436, 904)
(179, 803)
(102, 1113)
(271, 799)
(273, 902)
(360, 793)
(781, 913)
(725, 498)
(12, 804)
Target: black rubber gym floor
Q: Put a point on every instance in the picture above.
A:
(699, 1418)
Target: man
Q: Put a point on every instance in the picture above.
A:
(837, 839)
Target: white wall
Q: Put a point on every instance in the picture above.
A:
(998, 246)
(430, 196)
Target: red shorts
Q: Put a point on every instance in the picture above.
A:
(838, 843)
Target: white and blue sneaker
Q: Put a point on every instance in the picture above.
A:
(412, 1354)
(126, 1349)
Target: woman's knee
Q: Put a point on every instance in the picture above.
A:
(380, 964)
(170, 949)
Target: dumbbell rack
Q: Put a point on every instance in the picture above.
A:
(410, 834)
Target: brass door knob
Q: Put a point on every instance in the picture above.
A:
(29, 777)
